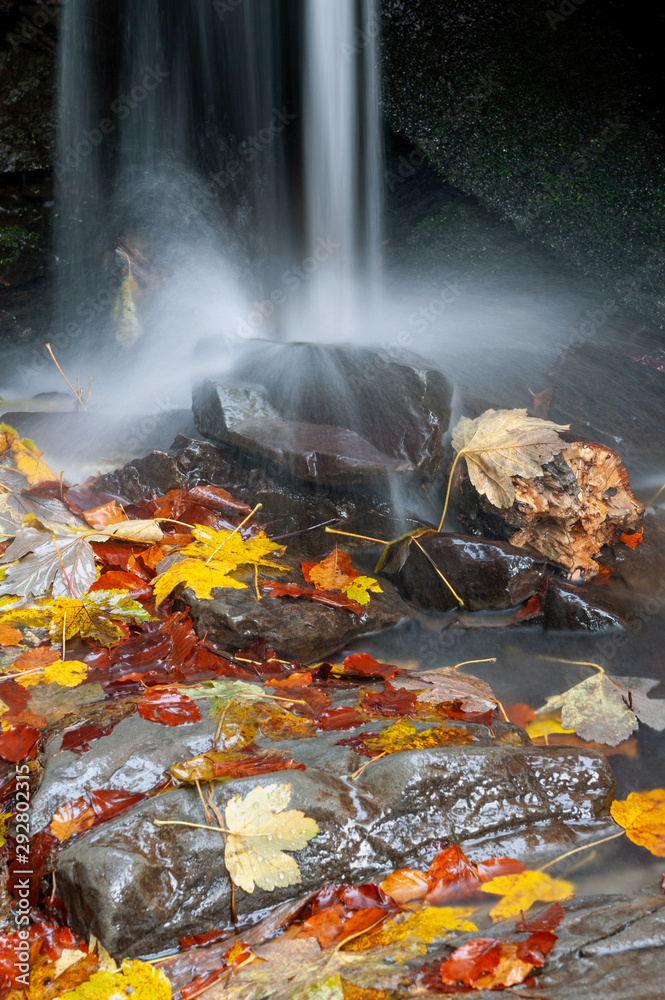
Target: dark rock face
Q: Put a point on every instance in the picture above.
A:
(337, 415)
(287, 505)
(294, 627)
(576, 609)
(140, 887)
(488, 575)
(641, 568)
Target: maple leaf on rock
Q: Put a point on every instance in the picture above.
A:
(605, 708)
(500, 444)
(259, 831)
(521, 890)
(216, 765)
(446, 685)
(402, 736)
(52, 513)
(134, 980)
(335, 572)
(642, 815)
(208, 561)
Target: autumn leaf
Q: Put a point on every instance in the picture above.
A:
(171, 708)
(108, 513)
(71, 818)
(94, 616)
(404, 885)
(134, 981)
(605, 707)
(414, 931)
(501, 444)
(216, 765)
(277, 724)
(67, 673)
(446, 685)
(452, 876)
(223, 693)
(23, 456)
(39, 561)
(335, 572)
(19, 742)
(642, 815)
(490, 964)
(522, 890)
(10, 636)
(147, 531)
(259, 832)
(210, 559)
(402, 736)
(51, 513)
(364, 665)
(272, 588)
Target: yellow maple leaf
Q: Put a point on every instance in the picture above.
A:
(642, 815)
(403, 735)
(359, 590)
(24, 455)
(258, 833)
(135, 980)
(522, 890)
(92, 616)
(417, 929)
(546, 725)
(211, 558)
(500, 444)
(68, 673)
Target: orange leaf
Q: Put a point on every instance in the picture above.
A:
(71, 818)
(520, 714)
(10, 636)
(337, 923)
(335, 572)
(108, 513)
(405, 885)
(32, 659)
(642, 815)
(632, 541)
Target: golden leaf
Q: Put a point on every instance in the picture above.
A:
(335, 573)
(359, 590)
(258, 834)
(522, 890)
(23, 454)
(197, 576)
(417, 929)
(92, 616)
(500, 444)
(642, 815)
(403, 735)
(69, 673)
(546, 724)
(135, 980)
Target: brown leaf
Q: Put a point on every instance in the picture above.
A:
(446, 685)
(71, 818)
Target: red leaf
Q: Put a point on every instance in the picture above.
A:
(343, 717)
(536, 948)
(107, 803)
(116, 555)
(273, 589)
(338, 923)
(472, 960)
(520, 714)
(171, 708)
(19, 743)
(392, 701)
(452, 875)
(547, 920)
(78, 740)
(118, 579)
(366, 666)
(216, 498)
(480, 718)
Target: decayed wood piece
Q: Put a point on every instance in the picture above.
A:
(582, 502)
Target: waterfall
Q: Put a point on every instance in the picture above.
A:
(249, 128)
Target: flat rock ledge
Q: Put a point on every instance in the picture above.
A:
(140, 888)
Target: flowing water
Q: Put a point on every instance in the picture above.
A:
(234, 150)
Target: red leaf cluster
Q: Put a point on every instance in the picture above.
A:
(171, 708)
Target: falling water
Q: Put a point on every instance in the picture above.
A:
(233, 137)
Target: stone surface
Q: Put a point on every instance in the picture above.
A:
(641, 569)
(290, 508)
(297, 629)
(578, 609)
(334, 414)
(139, 887)
(488, 575)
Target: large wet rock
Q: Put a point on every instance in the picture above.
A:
(140, 887)
(488, 575)
(578, 609)
(333, 414)
(289, 507)
(297, 629)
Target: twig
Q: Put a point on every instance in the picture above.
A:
(433, 564)
(78, 394)
(237, 528)
(367, 763)
(584, 847)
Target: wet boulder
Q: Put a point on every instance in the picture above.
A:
(332, 414)
(488, 575)
(578, 609)
(140, 887)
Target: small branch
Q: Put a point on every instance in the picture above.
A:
(367, 763)
(464, 663)
(77, 394)
(574, 663)
(450, 483)
(448, 585)
(365, 538)
(236, 529)
(585, 847)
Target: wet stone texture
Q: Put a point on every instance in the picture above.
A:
(576, 609)
(488, 575)
(320, 412)
(140, 888)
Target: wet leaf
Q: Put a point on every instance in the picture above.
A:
(488, 963)
(93, 616)
(135, 531)
(19, 742)
(501, 444)
(22, 455)
(259, 833)
(522, 890)
(392, 701)
(38, 562)
(106, 803)
(364, 665)
(34, 659)
(605, 708)
(134, 981)
(71, 818)
(271, 588)
(414, 931)
(336, 923)
(135, 587)
(546, 920)
(108, 513)
(225, 764)
(212, 557)
(10, 636)
(452, 876)
(171, 708)
(402, 736)
(222, 693)
(335, 572)
(67, 673)
(78, 740)
(278, 724)
(446, 685)
(405, 885)
(52, 513)
(642, 815)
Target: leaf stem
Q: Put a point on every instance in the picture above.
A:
(367, 763)
(574, 663)
(236, 529)
(349, 534)
(464, 663)
(431, 561)
(584, 847)
(450, 483)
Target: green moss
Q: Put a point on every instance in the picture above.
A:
(13, 241)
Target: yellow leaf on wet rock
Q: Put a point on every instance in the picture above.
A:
(522, 890)
(417, 929)
(642, 815)
(134, 981)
